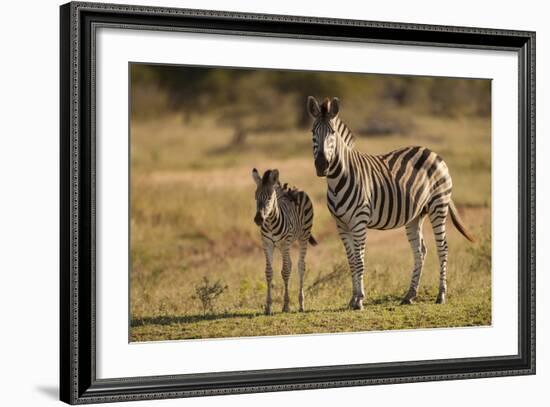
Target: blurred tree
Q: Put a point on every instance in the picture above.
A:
(256, 107)
(254, 101)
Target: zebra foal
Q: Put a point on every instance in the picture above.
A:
(284, 215)
(382, 192)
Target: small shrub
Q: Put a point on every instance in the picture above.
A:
(334, 278)
(208, 293)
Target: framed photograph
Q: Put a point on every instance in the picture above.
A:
(254, 203)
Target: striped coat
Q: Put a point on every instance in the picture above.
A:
(284, 215)
(381, 192)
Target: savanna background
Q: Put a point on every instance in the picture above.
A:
(197, 267)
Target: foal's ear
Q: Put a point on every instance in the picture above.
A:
(334, 107)
(274, 176)
(313, 107)
(256, 176)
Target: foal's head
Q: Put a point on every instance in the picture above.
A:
(266, 195)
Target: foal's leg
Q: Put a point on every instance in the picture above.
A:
(268, 250)
(285, 272)
(301, 272)
(416, 240)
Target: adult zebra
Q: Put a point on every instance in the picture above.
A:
(381, 192)
(285, 215)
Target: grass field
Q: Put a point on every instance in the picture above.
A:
(192, 209)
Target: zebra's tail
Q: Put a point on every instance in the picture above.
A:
(457, 221)
(312, 240)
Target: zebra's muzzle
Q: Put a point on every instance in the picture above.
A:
(321, 165)
(258, 220)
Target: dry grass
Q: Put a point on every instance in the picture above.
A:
(192, 205)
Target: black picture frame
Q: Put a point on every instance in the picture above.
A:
(78, 382)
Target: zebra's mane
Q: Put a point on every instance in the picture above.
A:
(345, 133)
(341, 128)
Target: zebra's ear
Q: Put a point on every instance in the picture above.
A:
(334, 107)
(313, 107)
(256, 176)
(274, 176)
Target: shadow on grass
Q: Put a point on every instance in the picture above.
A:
(384, 300)
(390, 300)
(188, 319)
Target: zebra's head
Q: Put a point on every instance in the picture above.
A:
(324, 135)
(266, 195)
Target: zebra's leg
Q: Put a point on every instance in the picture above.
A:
(348, 246)
(359, 240)
(268, 250)
(438, 216)
(416, 240)
(287, 267)
(354, 243)
(302, 271)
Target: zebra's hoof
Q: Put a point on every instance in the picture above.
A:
(267, 311)
(407, 301)
(440, 299)
(286, 308)
(351, 304)
(355, 304)
(301, 309)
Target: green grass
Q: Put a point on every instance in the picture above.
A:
(192, 205)
(375, 317)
